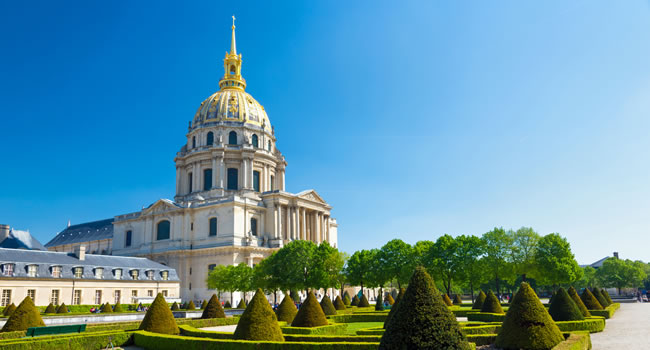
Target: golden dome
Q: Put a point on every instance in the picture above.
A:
(232, 105)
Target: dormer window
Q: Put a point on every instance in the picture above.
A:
(99, 273)
(134, 274)
(32, 270)
(78, 272)
(118, 274)
(150, 275)
(56, 271)
(164, 275)
(8, 270)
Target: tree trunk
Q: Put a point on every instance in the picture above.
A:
(275, 297)
(496, 280)
(231, 299)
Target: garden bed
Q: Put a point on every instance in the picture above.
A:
(90, 341)
(485, 317)
(336, 328)
(608, 312)
(590, 324)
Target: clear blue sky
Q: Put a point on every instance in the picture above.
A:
(412, 119)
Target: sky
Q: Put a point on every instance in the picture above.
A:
(413, 119)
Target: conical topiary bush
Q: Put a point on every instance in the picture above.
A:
(190, 305)
(379, 303)
(363, 302)
(338, 303)
(527, 324)
(213, 309)
(446, 300)
(118, 308)
(564, 308)
(287, 310)
(62, 309)
(590, 300)
(606, 295)
(458, 300)
(327, 306)
(422, 320)
(204, 304)
(389, 299)
(597, 292)
(478, 303)
(175, 306)
(258, 322)
(26, 315)
(576, 299)
(355, 301)
(310, 314)
(107, 308)
(393, 309)
(242, 304)
(50, 309)
(159, 318)
(9, 310)
(346, 299)
(227, 305)
(491, 304)
(550, 300)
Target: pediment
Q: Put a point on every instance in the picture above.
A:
(312, 196)
(160, 206)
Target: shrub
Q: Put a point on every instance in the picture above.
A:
(204, 304)
(422, 320)
(355, 301)
(458, 300)
(393, 309)
(338, 303)
(446, 300)
(118, 308)
(590, 300)
(527, 324)
(258, 322)
(310, 314)
(478, 303)
(379, 303)
(363, 302)
(327, 306)
(175, 307)
(50, 309)
(389, 299)
(576, 299)
(346, 299)
(242, 304)
(62, 309)
(9, 309)
(213, 309)
(550, 300)
(597, 292)
(227, 305)
(159, 319)
(491, 304)
(330, 329)
(287, 310)
(26, 315)
(106, 308)
(295, 296)
(190, 305)
(563, 308)
(606, 295)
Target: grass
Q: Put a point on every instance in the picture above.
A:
(353, 327)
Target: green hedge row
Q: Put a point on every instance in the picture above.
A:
(590, 324)
(12, 335)
(83, 341)
(149, 340)
(310, 338)
(371, 331)
(334, 329)
(487, 329)
(193, 332)
(607, 313)
(485, 317)
(349, 318)
(575, 341)
(482, 339)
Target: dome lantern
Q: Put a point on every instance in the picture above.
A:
(232, 78)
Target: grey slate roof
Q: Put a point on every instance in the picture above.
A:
(46, 259)
(21, 240)
(89, 231)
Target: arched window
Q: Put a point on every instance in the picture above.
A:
(254, 226)
(232, 138)
(256, 181)
(233, 70)
(255, 141)
(213, 227)
(207, 179)
(268, 146)
(193, 141)
(233, 176)
(162, 230)
(210, 138)
(189, 182)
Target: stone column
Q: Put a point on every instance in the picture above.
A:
(264, 186)
(286, 233)
(214, 172)
(178, 181)
(195, 175)
(319, 219)
(274, 232)
(244, 174)
(327, 228)
(303, 227)
(293, 224)
(222, 172)
(282, 180)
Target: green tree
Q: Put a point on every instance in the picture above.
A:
(358, 267)
(443, 260)
(497, 255)
(327, 266)
(294, 265)
(243, 278)
(473, 269)
(221, 278)
(557, 263)
(397, 257)
(524, 246)
(619, 274)
(264, 278)
(588, 279)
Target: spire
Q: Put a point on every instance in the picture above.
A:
(233, 45)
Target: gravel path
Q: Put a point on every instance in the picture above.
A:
(230, 328)
(628, 329)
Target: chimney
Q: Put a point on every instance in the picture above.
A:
(80, 252)
(4, 232)
(616, 255)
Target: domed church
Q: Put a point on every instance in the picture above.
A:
(230, 204)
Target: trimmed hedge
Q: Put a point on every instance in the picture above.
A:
(334, 329)
(491, 304)
(199, 333)
(8, 310)
(213, 309)
(576, 299)
(159, 318)
(26, 315)
(590, 300)
(12, 335)
(118, 308)
(606, 295)
(608, 312)
(393, 309)
(339, 304)
(379, 303)
(355, 301)
(350, 318)
(331, 338)
(310, 313)
(485, 317)
(478, 303)
(106, 308)
(190, 305)
(487, 329)
(241, 305)
(389, 299)
(327, 306)
(97, 340)
(592, 325)
(458, 300)
(601, 298)
(563, 308)
(258, 322)
(575, 341)
(363, 302)
(446, 300)
(287, 310)
(50, 309)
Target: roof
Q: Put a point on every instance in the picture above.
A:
(21, 240)
(86, 232)
(46, 259)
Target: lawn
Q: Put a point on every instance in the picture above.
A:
(353, 327)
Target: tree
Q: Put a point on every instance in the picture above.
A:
(328, 263)
(497, 254)
(588, 279)
(358, 267)
(264, 277)
(619, 274)
(557, 263)
(294, 265)
(397, 257)
(524, 246)
(473, 267)
(242, 278)
(443, 260)
(222, 279)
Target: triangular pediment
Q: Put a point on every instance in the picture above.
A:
(160, 206)
(312, 196)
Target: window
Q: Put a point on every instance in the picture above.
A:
(149, 275)
(213, 227)
(232, 179)
(232, 138)
(31, 293)
(54, 298)
(118, 274)
(32, 270)
(118, 296)
(164, 275)
(256, 181)
(78, 272)
(207, 179)
(6, 297)
(76, 298)
(268, 146)
(254, 226)
(99, 273)
(8, 270)
(210, 138)
(98, 296)
(193, 141)
(134, 274)
(255, 141)
(162, 230)
(150, 293)
(272, 182)
(164, 293)
(56, 271)
(189, 182)
(127, 239)
(134, 295)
